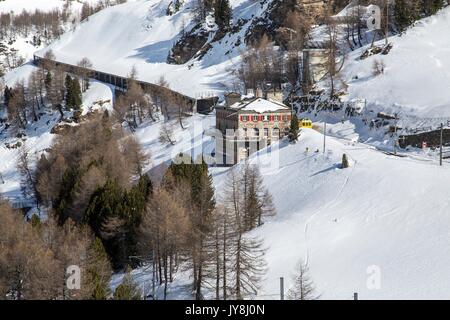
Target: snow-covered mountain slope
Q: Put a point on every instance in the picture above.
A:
(139, 33)
(416, 81)
(24, 45)
(17, 6)
(384, 213)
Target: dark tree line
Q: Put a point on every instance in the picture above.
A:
(220, 9)
(407, 12)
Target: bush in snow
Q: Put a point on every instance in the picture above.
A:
(345, 163)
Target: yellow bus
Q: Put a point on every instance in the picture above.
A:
(305, 123)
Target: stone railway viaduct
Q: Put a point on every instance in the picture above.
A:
(121, 83)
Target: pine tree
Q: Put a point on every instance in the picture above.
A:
(114, 215)
(345, 163)
(293, 129)
(204, 204)
(35, 221)
(128, 289)
(77, 98)
(406, 12)
(99, 270)
(430, 7)
(69, 90)
(222, 13)
(73, 93)
(7, 95)
(48, 82)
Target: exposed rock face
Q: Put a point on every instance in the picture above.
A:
(197, 41)
(188, 46)
(274, 19)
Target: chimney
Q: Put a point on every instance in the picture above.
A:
(231, 98)
(250, 92)
(275, 96)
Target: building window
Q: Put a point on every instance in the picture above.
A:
(266, 118)
(276, 132)
(255, 118)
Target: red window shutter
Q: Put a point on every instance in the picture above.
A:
(242, 118)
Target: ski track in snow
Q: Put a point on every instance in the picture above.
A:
(326, 207)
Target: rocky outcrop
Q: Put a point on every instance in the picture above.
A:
(190, 45)
(198, 41)
(273, 22)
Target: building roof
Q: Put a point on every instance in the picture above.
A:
(259, 105)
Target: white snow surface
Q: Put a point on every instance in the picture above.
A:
(384, 213)
(259, 105)
(416, 81)
(98, 96)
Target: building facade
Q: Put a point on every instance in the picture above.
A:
(248, 125)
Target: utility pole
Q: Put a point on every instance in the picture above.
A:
(387, 22)
(395, 135)
(324, 135)
(281, 288)
(441, 144)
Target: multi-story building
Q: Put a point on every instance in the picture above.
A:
(248, 125)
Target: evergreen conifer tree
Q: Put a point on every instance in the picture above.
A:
(294, 129)
(345, 163)
(99, 271)
(128, 289)
(222, 13)
(73, 93)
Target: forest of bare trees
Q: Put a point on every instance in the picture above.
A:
(35, 256)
